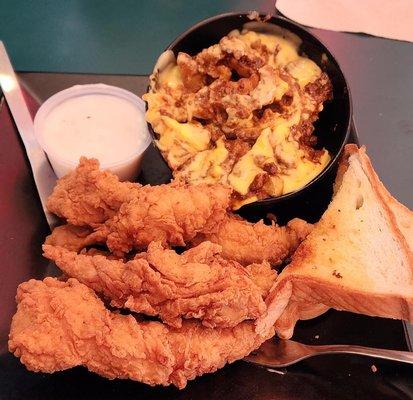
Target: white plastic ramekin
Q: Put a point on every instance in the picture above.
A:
(127, 168)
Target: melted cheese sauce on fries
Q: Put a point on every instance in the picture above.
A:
(241, 112)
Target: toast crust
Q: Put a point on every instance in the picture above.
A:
(392, 206)
(313, 295)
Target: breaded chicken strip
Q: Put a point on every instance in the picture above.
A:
(88, 196)
(263, 276)
(175, 214)
(60, 325)
(74, 238)
(172, 214)
(136, 215)
(249, 243)
(196, 284)
(242, 241)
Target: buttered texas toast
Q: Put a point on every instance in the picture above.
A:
(358, 257)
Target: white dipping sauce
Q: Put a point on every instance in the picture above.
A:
(96, 125)
(96, 121)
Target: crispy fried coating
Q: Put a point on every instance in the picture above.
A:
(88, 196)
(172, 214)
(135, 215)
(250, 243)
(263, 276)
(193, 80)
(79, 239)
(236, 237)
(60, 325)
(176, 214)
(196, 284)
(72, 237)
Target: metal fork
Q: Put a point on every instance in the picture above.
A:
(282, 353)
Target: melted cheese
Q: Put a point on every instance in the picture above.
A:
(270, 87)
(273, 143)
(171, 76)
(187, 146)
(246, 169)
(239, 203)
(303, 70)
(287, 51)
(304, 172)
(207, 166)
(302, 169)
(154, 101)
(181, 140)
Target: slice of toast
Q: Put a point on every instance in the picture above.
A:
(357, 258)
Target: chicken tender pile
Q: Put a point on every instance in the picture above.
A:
(241, 112)
(118, 248)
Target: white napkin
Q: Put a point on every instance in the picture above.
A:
(391, 19)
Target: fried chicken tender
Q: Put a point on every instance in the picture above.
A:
(135, 215)
(235, 236)
(88, 196)
(263, 276)
(172, 214)
(72, 237)
(250, 243)
(196, 284)
(60, 325)
(271, 243)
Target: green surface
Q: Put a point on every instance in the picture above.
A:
(107, 36)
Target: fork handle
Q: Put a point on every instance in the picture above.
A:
(395, 355)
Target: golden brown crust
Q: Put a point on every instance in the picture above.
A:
(248, 243)
(72, 237)
(126, 215)
(60, 325)
(88, 196)
(312, 295)
(197, 284)
(172, 214)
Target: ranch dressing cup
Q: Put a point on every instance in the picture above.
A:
(96, 121)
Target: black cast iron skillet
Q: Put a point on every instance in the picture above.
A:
(332, 128)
